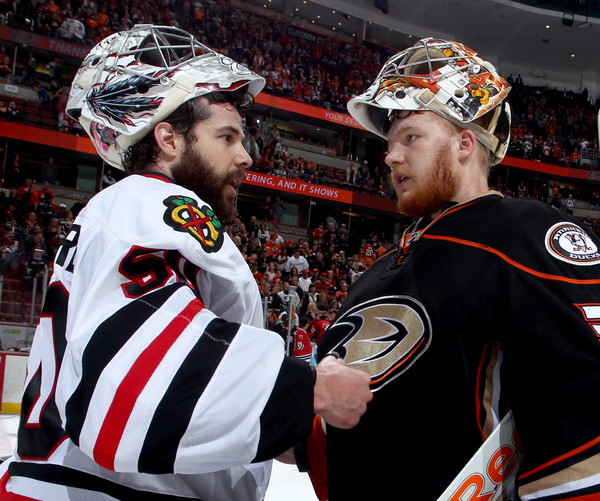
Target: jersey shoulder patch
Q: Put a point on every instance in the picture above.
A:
(183, 214)
(569, 243)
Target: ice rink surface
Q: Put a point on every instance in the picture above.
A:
(287, 483)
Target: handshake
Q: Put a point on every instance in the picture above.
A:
(341, 393)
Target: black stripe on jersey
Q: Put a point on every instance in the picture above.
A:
(38, 442)
(173, 414)
(288, 416)
(60, 475)
(107, 340)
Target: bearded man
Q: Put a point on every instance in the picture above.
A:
(149, 376)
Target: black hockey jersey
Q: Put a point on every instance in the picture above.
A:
(493, 306)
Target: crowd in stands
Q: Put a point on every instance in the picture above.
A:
(272, 157)
(552, 126)
(548, 125)
(33, 227)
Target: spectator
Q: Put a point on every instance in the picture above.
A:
(278, 210)
(266, 208)
(363, 174)
(14, 173)
(263, 233)
(65, 223)
(302, 346)
(289, 297)
(28, 196)
(108, 179)
(61, 213)
(323, 285)
(570, 204)
(51, 237)
(31, 223)
(253, 150)
(30, 69)
(594, 201)
(49, 172)
(296, 261)
(12, 112)
(272, 273)
(5, 61)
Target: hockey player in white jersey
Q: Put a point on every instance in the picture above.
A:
(149, 376)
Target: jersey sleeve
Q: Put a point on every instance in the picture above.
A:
(551, 367)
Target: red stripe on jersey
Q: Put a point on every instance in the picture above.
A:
(513, 262)
(134, 382)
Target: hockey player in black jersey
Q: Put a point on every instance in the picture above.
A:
(149, 376)
(485, 305)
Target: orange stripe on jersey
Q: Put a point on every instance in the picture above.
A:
(574, 452)
(512, 262)
(454, 209)
(134, 383)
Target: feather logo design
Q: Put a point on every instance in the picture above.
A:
(123, 101)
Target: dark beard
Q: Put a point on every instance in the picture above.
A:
(438, 190)
(195, 173)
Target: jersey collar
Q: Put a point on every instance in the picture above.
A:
(416, 230)
(156, 175)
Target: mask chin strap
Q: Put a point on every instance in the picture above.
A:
(497, 145)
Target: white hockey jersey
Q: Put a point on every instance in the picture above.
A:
(149, 375)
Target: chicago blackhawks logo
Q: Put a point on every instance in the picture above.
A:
(382, 337)
(183, 214)
(569, 243)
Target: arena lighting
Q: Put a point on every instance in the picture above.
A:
(382, 5)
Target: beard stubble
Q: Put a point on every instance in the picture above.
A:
(195, 173)
(430, 197)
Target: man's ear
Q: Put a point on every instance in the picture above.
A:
(169, 142)
(467, 144)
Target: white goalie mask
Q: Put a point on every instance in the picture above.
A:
(444, 77)
(134, 79)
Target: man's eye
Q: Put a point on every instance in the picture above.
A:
(410, 137)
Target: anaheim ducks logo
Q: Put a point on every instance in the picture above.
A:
(569, 243)
(384, 337)
(183, 214)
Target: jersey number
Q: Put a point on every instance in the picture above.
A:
(147, 269)
(68, 248)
